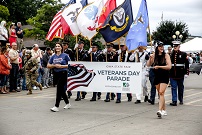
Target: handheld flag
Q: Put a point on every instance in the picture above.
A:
(56, 23)
(68, 19)
(137, 35)
(88, 18)
(108, 7)
(118, 22)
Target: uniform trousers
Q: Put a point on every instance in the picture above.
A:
(153, 87)
(177, 84)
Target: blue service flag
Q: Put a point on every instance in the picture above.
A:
(118, 22)
(137, 35)
(83, 2)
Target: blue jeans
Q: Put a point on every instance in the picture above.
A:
(153, 87)
(177, 84)
(24, 87)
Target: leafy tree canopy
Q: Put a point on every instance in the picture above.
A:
(20, 10)
(4, 13)
(167, 29)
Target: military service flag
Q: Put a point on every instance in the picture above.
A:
(137, 35)
(118, 22)
(108, 7)
(87, 19)
(68, 19)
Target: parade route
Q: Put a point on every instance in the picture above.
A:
(22, 114)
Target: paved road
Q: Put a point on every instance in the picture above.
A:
(30, 115)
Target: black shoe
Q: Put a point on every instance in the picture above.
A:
(83, 95)
(151, 101)
(113, 96)
(146, 99)
(107, 100)
(99, 98)
(181, 103)
(118, 101)
(92, 99)
(174, 103)
(137, 101)
(129, 99)
(77, 99)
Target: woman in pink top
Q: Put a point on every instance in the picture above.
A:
(12, 34)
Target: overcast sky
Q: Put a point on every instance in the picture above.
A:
(188, 11)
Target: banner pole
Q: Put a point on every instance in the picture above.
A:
(106, 52)
(77, 55)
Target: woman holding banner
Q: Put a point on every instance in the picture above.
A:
(162, 64)
(59, 63)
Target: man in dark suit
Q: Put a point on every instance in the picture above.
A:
(179, 70)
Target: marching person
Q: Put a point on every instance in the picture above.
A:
(179, 70)
(30, 68)
(96, 56)
(109, 54)
(80, 54)
(59, 63)
(162, 64)
(123, 56)
(70, 53)
(142, 56)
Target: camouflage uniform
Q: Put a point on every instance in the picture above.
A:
(30, 67)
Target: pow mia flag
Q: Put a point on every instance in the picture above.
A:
(118, 22)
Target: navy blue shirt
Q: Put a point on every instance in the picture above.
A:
(19, 35)
(62, 59)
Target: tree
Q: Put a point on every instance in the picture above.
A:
(4, 13)
(23, 10)
(167, 29)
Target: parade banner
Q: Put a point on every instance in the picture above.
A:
(115, 77)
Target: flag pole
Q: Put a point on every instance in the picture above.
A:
(91, 57)
(119, 47)
(106, 52)
(77, 55)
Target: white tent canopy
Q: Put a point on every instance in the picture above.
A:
(194, 45)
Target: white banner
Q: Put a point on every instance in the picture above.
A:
(118, 77)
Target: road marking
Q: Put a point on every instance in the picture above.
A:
(193, 101)
(186, 96)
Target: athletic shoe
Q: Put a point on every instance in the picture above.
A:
(159, 113)
(55, 109)
(67, 106)
(164, 113)
(44, 87)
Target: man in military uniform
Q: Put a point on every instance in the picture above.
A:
(179, 70)
(123, 56)
(70, 53)
(30, 68)
(80, 55)
(109, 56)
(96, 56)
(140, 55)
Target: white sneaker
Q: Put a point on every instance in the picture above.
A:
(159, 113)
(34, 88)
(67, 106)
(55, 109)
(164, 113)
(44, 87)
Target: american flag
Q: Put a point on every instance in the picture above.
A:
(78, 76)
(56, 23)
